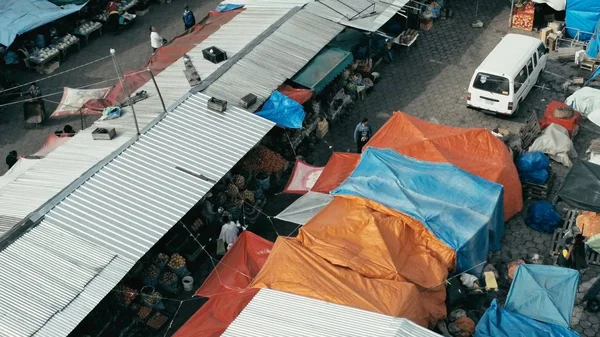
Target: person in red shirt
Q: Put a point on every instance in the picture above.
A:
(112, 7)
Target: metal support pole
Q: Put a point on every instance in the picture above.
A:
(125, 91)
(157, 90)
(512, 6)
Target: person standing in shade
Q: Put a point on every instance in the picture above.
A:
(36, 95)
(11, 159)
(362, 134)
(189, 20)
(156, 41)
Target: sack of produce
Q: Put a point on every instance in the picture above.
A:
(170, 282)
(161, 260)
(152, 298)
(151, 275)
(125, 295)
(177, 265)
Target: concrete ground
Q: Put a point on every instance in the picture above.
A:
(429, 82)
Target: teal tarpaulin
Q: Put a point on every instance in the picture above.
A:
(282, 110)
(544, 293)
(323, 68)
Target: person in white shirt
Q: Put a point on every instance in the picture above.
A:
(156, 41)
(229, 231)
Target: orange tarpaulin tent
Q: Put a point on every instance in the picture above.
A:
(338, 168)
(474, 150)
(213, 318)
(380, 243)
(295, 269)
(239, 265)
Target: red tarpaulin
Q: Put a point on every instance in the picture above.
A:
(173, 51)
(476, 151)
(238, 267)
(303, 178)
(338, 168)
(213, 318)
(571, 124)
(299, 95)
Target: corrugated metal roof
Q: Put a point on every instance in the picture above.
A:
(63, 166)
(43, 274)
(361, 14)
(275, 313)
(277, 58)
(117, 215)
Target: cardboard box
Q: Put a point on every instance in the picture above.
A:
(544, 35)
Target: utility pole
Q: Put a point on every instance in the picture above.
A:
(157, 90)
(125, 90)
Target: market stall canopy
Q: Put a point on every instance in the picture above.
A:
(323, 68)
(238, 267)
(584, 100)
(20, 16)
(295, 269)
(276, 313)
(498, 322)
(73, 101)
(544, 293)
(593, 48)
(303, 178)
(557, 5)
(582, 16)
(581, 188)
(381, 243)
(283, 111)
(474, 150)
(304, 208)
(461, 209)
(213, 318)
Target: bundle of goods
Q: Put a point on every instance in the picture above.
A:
(196, 226)
(170, 282)
(152, 298)
(43, 54)
(157, 321)
(533, 167)
(150, 275)
(408, 36)
(239, 181)
(177, 265)
(542, 216)
(125, 295)
(87, 28)
(66, 41)
(523, 16)
(161, 260)
(232, 192)
(561, 114)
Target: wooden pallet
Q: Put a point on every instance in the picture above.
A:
(570, 221)
(539, 192)
(530, 131)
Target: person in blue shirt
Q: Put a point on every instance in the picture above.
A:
(188, 18)
(362, 134)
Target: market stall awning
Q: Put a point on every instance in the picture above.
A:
(303, 209)
(20, 16)
(323, 68)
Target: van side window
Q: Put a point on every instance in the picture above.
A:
(530, 67)
(520, 78)
(541, 49)
(534, 60)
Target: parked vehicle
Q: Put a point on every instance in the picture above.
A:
(507, 75)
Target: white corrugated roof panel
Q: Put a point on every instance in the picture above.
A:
(273, 313)
(70, 161)
(278, 57)
(55, 274)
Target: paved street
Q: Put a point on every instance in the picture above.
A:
(429, 82)
(133, 50)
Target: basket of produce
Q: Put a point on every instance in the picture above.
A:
(161, 260)
(151, 275)
(239, 181)
(157, 321)
(152, 298)
(177, 265)
(125, 295)
(170, 282)
(143, 313)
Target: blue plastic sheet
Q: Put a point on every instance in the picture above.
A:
(228, 7)
(283, 111)
(462, 210)
(594, 46)
(544, 293)
(497, 322)
(582, 15)
(533, 167)
(542, 216)
(20, 16)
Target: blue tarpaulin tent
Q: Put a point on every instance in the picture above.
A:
(323, 68)
(283, 111)
(459, 208)
(544, 293)
(582, 15)
(20, 16)
(594, 46)
(497, 322)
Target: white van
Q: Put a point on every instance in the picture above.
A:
(507, 74)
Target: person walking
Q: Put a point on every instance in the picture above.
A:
(156, 41)
(36, 95)
(362, 134)
(11, 159)
(189, 20)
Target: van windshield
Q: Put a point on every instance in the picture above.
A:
(492, 83)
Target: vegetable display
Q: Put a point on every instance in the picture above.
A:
(152, 298)
(144, 312)
(125, 295)
(263, 160)
(157, 320)
(177, 261)
(150, 275)
(161, 260)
